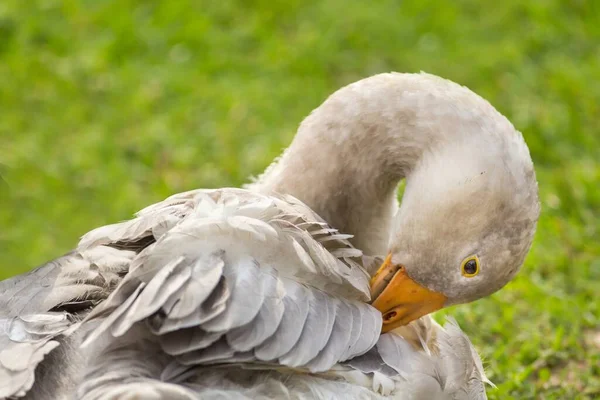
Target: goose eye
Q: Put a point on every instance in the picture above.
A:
(470, 266)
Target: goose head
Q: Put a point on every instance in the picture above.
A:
(463, 230)
(470, 205)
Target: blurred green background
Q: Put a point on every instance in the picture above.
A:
(108, 106)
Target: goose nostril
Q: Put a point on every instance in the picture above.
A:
(389, 315)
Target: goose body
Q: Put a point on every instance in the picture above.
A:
(228, 294)
(250, 293)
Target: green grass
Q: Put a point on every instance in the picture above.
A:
(108, 106)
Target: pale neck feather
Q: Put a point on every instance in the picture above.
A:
(351, 152)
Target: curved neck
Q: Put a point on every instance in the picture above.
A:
(347, 159)
(350, 153)
(340, 189)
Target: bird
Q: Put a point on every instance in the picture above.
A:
(217, 285)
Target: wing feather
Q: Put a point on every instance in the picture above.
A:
(397, 353)
(316, 331)
(229, 276)
(370, 329)
(161, 323)
(267, 320)
(113, 317)
(186, 340)
(167, 281)
(247, 297)
(24, 342)
(204, 277)
(338, 340)
(354, 328)
(296, 306)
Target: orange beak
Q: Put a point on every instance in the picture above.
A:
(399, 298)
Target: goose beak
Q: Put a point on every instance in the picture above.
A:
(399, 298)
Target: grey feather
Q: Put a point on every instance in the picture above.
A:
(288, 332)
(266, 321)
(218, 351)
(303, 256)
(186, 340)
(161, 323)
(354, 327)
(425, 374)
(39, 308)
(24, 342)
(246, 298)
(205, 275)
(167, 281)
(338, 340)
(397, 353)
(18, 364)
(371, 362)
(253, 226)
(349, 252)
(455, 353)
(198, 303)
(112, 318)
(371, 322)
(316, 331)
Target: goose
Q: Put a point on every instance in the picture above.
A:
(222, 291)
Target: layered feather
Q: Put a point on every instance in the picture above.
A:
(392, 369)
(211, 290)
(39, 308)
(24, 341)
(395, 365)
(220, 283)
(77, 282)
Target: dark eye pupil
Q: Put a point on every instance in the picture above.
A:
(471, 267)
